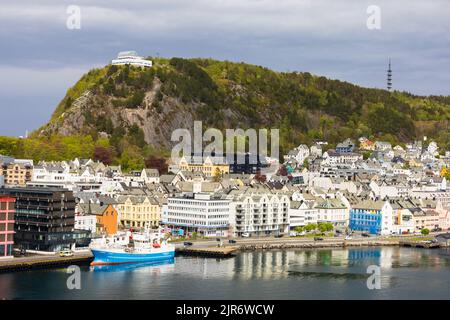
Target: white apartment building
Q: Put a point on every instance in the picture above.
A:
(203, 213)
(299, 154)
(334, 211)
(334, 158)
(302, 213)
(85, 222)
(150, 175)
(259, 212)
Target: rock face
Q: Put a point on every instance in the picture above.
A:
(156, 126)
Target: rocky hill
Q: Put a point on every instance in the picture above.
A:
(130, 106)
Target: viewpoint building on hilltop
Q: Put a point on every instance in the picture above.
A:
(131, 58)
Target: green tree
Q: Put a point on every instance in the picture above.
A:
(310, 227)
(299, 229)
(425, 231)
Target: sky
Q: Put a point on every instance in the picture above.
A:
(42, 54)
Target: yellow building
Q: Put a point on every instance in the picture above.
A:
(415, 163)
(207, 167)
(366, 144)
(139, 211)
(17, 174)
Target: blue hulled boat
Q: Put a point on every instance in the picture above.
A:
(132, 248)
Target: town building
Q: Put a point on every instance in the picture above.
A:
(107, 218)
(6, 226)
(375, 217)
(139, 211)
(333, 211)
(259, 212)
(17, 173)
(86, 222)
(347, 146)
(45, 219)
(331, 157)
(150, 175)
(425, 219)
(208, 166)
(206, 214)
(302, 213)
(299, 154)
(366, 144)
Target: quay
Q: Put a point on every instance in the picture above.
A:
(211, 252)
(42, 262)
(420, 244)
(311, 244)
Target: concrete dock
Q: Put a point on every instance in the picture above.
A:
(44, 261)
(311, 244)
(212, 252)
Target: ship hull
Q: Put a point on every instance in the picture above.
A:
(111, 257)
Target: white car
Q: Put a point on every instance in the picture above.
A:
(66, 253)
(348, 238)
(246, 235)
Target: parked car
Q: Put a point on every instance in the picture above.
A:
(318, 239)
(188, 243)
(66, 253)
(231, 241)
(365, 235)
(348, 238)
(293, 234)
(246, 235)
(279, 235)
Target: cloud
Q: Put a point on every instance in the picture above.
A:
(328, 38)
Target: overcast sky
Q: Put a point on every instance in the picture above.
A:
(40, 57)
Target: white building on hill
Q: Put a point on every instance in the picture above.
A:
(131, 58)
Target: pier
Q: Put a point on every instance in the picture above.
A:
(211, 252)
(42, 262)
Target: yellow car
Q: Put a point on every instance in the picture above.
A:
(65, 253)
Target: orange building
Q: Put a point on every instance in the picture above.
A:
(107, 217)
(107, 220)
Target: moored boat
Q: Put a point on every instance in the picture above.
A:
(132, 248)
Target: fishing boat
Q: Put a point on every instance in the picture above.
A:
(132, 247)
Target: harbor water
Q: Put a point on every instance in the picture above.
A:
(404, 273)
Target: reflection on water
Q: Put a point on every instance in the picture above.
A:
(164, 266)
(310, 274)
(280, 274)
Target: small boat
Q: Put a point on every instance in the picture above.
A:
(132, 247)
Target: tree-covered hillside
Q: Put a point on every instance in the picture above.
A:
(131, 112)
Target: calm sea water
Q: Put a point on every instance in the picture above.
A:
(290, 274)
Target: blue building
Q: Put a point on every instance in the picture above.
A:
(345, 147)
(367, 216)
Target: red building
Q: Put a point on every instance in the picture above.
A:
(6, 225)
